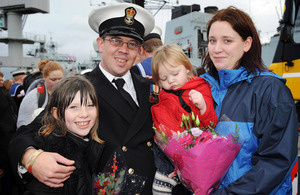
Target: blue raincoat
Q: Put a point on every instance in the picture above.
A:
(264, 109)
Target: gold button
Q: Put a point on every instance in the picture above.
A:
(131, 171)
(149, 144)
(124, 148)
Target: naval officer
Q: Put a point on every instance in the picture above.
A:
(125, 125)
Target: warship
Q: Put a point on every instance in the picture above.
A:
(49, 50)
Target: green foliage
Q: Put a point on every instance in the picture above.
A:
(236, 135)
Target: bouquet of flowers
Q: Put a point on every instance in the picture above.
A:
(111, 180)
(201, 156)
(116, 179)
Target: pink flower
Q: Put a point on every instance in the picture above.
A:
(186, 140)
(200, 152)
(206, 135)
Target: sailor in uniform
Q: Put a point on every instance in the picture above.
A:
(17, 91)
(151, 42)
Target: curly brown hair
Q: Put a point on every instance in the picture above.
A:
(47, 66)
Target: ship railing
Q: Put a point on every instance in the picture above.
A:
(38, 38)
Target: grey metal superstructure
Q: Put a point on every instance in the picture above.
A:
(13, 17)
(189, 23)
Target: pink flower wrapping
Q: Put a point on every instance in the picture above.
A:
(201, 159)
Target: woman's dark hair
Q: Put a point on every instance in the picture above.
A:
(62, 96)
(243, 25)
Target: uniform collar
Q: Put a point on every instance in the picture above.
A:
(127, 77)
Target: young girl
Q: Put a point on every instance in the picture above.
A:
(182, 93)
(70, 123)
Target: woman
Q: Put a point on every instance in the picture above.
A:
(36, 97)
(257, 100)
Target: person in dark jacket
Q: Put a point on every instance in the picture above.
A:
(69, 128)
(8, 119)
(122, 125)
(258, 101)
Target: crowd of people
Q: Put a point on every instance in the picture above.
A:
(65, 130)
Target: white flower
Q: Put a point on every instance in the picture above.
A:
(196, 131)
(183, 134)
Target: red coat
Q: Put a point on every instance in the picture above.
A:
(168, 110)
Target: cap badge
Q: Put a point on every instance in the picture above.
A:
(130, 13)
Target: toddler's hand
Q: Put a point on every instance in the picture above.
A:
(197, 98)
(173, 174)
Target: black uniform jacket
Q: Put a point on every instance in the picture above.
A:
(120, 128)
